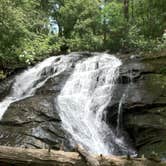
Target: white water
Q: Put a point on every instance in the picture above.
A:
(27, 82)
(120, 111)
(83, 99)
(121, 102)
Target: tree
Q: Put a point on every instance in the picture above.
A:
(150, 17)
(113, 23)
(20, 22)
(77, 15)
(126, 9)
(12, 29)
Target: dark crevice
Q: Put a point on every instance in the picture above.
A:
(45, 140)
(18, 124)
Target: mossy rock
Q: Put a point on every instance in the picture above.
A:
(2, 75)
(163, 70)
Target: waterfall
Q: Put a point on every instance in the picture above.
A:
(27, 82)
(82, 102)
(120, 109)
(121, 102)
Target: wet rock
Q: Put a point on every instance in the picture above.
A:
(34, 122)
(144, 107)
(5, 86)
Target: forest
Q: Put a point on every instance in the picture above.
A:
(31, 30)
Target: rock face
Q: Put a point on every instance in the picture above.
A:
(143, 83)
(141, 91)
(5, 86)
(34, 122)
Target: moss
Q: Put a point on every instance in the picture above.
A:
(2, 75)
(155, 55)
(163, 70)
(155, 86)
(156, 65)
(159, 148)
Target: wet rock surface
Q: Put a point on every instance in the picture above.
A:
(144, 108)
(5, 86)
(34, 121)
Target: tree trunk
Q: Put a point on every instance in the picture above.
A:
(132, 9)
(126, 9)
(12, 156)
(104, 27)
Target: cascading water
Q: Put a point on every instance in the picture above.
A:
(82, 102)
(121, 102)
(120, 109)
(27, 82)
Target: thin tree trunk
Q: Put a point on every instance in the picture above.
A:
(132, 9)
(126, 9)
(104, 28)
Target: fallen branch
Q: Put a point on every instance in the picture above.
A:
(41, 157)
(38, 157)
(91, 160)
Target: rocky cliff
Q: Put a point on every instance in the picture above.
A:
(34, 123)
(143, 81)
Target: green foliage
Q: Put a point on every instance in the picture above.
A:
(135, 41)
(39, 48)
(12, 29)
(22, 23)
(2, 75)
(146, 25)
(77, 16)
(150, 16)
(112, 13)
(92, 25)
(163, 70)
(89, 42)
(113, 25)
